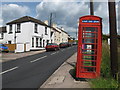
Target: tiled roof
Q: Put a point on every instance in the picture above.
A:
(62, 30)
(3, 30)
(26, 19)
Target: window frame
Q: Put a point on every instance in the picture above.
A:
(33, 41)
(46, 30)
(18, 28)
(35, 28)
(37, 41)
(10, 29)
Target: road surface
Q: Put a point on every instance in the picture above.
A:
(33, 71)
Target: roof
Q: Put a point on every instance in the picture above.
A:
(27, 19)
(3, 30)
(90, 16)
(62, 30)
(55, 29)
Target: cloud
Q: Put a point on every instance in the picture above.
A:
(64, 13)
(67, 14)
(12, 11)
(102, 11)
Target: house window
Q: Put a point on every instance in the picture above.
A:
(43, 43)
(36, 30)
(47, 41)
(18, 28)
(33, 42)
(45, 30)
(10, 29)
(9, 42)
(2, 35)
(36, 42)
(51, 34)
(40, 42)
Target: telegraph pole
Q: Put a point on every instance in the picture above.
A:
(113, 38)
(91, 8)
(50, 19)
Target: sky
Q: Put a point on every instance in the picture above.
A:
(65, 14)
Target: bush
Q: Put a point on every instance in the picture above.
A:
(105, 64)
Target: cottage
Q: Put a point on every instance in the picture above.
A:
(31, 32)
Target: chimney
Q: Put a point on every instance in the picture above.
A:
(46, 22)
(62, 28)
(54, 25)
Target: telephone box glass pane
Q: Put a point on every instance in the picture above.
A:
(90, 29)
(89, 35)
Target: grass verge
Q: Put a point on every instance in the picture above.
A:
(105, 81)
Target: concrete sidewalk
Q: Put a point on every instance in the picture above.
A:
(12, 56)
(63, 77)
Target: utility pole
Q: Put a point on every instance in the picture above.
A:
(50, 26)
(91, 8)
(15, 35)
(113, 38)
(50, 19)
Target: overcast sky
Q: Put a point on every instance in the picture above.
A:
(65, 14)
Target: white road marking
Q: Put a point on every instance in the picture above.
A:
(8, 70)
(63, 50)
(57, 52)
(53, 53)
(38, 59)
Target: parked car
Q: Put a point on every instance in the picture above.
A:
(63, 45)
(52, 46)
(3, 48)
(68, 44)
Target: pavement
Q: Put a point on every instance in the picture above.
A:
(64, 76)
(13, 56)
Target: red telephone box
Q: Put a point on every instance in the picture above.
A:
(89, 47)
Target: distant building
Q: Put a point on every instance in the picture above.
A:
(64, 35)
(60, 35)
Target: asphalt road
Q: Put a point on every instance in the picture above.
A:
(33, 71)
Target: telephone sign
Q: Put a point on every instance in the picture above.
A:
(89, 47)
(90, 21)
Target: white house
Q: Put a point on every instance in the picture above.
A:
(64, 35)
(60, 35)
(34, 33)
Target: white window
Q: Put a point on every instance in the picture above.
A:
(40, 42)
(18, 28)
(2, 35)
(45, 30)
(36, 42)
(32, 41)
(36, 28)
(10, 29)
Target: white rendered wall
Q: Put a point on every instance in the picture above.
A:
(19, 48)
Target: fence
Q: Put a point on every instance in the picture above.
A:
(19, 47)
(11, 47)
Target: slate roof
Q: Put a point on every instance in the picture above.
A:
(27, 19)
